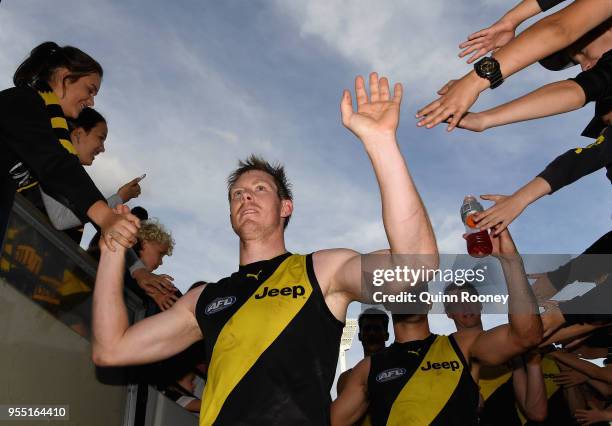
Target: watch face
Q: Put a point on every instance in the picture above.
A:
(488, 67)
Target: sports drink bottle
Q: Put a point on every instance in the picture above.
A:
(478, 242)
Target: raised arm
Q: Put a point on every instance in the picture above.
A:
(352, 403)
(160, 336)
(405, 219)
(543, 38)
(551, 99)
(524, 330)
(501, 32)
(585, 367)
(529, 388)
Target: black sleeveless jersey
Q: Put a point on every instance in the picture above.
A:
(497, 391)
(272, 345)
(419, 383)
(559, 413)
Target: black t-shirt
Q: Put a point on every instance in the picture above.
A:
(548, 4)
(579, 162)
(597, 81)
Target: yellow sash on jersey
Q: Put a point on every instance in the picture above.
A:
(250, 331)
(549, 369)
(491, 378)
(427, 392)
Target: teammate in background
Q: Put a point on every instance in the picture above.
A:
(501, 387)
(272, 329)
(426, 379)
(373, 335)
(545, 37)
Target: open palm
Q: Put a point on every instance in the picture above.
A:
(377, 115)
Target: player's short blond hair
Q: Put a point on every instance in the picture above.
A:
(152, 230)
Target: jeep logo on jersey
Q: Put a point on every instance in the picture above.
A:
(219, 304)
(295, 291)
(391, 374)
(447, 365)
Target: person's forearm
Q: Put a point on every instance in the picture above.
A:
(584, 367)
(587, 267)
(534, 190)
(405, 219)
(521, 12)
(523, 314)
(536, 401)
(99, 212)
(110, 316)
(519, 383)
(602, 387)
(555, 98)
(551, 34)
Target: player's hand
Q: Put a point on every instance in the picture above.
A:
(457, 99)
(569, 378)
(377, 116)
(501, 214)
(164, 301)
(503, 245)
(489, 39)
(130, 190)
(542, 287)
(148, 280)
(591, 416)
(119, 226)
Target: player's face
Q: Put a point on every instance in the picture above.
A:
(373, 335)
(152, 254)
(465, 314)
(255, 207)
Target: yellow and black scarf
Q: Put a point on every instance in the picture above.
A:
(58, 121)
(60, 129)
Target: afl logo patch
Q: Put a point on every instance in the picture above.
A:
(219, 304)
(390, 374)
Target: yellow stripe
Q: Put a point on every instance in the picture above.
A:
(427, 392)
(549, 368)
(250, 331)
(50, 98)
(59, 123)
(27, 186)
(68, 146)
(491, 378)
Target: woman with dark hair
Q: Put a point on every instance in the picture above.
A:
(52, 84)
(87, 135)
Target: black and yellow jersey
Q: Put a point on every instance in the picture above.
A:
(425, 382)
(497, 392)
(272, 345)
(558, 410)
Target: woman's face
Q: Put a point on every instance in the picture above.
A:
(89, 144)
(75, 95)
(152, 254)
